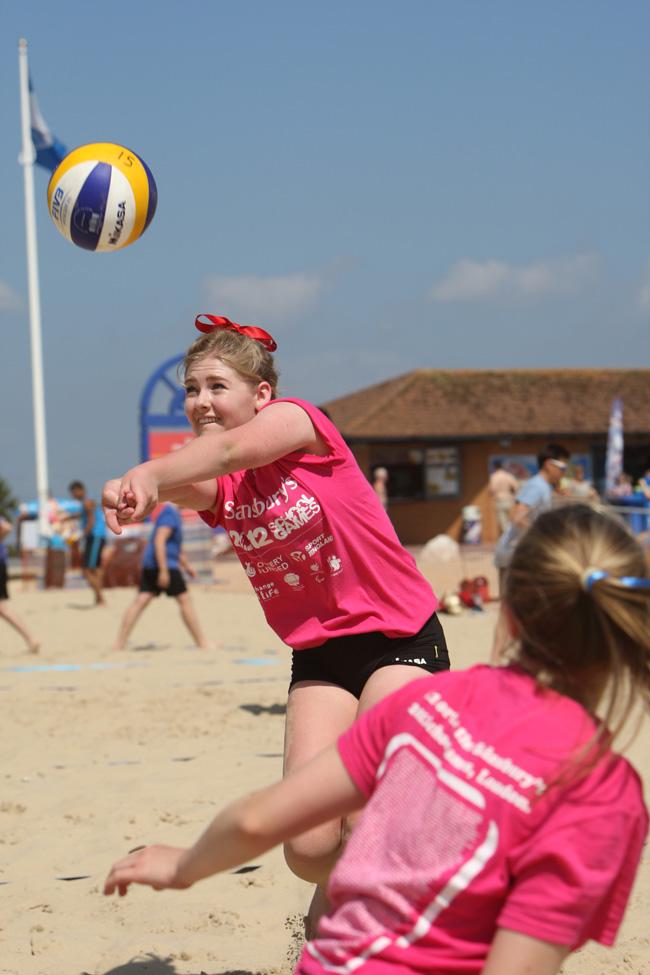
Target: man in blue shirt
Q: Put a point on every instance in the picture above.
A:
(534, 496)
(93, 526)
(161, 572)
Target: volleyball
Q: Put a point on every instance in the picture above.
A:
(102, 196)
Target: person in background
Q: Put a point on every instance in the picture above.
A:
(93, 526)
(503, 488)
(221, 545)
(7, 614)
(578, 488)
(644, 484)
(380, 484)
(161, 572)
(623, 487)
(534, 496)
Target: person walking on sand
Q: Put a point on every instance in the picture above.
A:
(380, 484)
(93, 526)
(579, 488)
(534, 496)
(501, 829)
(503, 488)
(321, 553)
(33, 645)
(161, 572)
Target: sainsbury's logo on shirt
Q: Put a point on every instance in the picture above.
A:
(259, 505)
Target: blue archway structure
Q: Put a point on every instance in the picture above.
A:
(161, 410)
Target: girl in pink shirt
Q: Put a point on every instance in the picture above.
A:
(322, 555)
(500, 829)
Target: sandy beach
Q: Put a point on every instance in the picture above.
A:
(103, 751)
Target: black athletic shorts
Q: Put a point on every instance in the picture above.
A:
(149, 582)
(3, 581)
(348, 661)
(93, 552)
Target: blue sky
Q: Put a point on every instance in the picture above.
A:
(382, 185)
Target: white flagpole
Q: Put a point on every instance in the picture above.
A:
(27, 158)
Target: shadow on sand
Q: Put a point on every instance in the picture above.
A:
(154, 965)
(258, 709)
(149, 647)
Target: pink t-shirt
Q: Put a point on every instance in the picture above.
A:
(474, 822)
(320, 551)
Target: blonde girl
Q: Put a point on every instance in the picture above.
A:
(334, 581)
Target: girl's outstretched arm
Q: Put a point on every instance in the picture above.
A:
(513, 953)
(272, 433)
(318, 791)
(199, 497)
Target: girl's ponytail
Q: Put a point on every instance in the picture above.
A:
(578, 589)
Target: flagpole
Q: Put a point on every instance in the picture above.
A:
(27, 158)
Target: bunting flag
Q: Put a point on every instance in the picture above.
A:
(614, 462)
(49, 151)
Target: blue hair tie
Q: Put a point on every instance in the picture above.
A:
(630, 582)
(592, 575)
(634, 582)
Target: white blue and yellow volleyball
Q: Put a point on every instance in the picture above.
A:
(102, 196)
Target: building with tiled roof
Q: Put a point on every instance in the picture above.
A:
(439, 433)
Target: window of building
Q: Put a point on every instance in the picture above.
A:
(442, 472)
(419, 472)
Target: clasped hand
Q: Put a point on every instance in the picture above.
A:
(130, 498)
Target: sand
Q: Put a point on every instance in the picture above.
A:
(103, 751)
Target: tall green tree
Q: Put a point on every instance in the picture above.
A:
(8, 503)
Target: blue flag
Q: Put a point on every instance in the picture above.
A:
(49, 151)
(614, 462)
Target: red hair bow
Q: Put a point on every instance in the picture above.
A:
(250, 331)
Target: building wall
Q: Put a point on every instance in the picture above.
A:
(418, 521)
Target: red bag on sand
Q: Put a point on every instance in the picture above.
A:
(481, 588)
(474, 592)
(466, 592)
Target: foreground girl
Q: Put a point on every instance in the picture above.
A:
(333, 580)
(500, 830)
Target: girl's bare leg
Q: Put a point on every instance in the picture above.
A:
(317, 713)
(385, 681)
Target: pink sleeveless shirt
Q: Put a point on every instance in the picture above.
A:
(320, 551)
